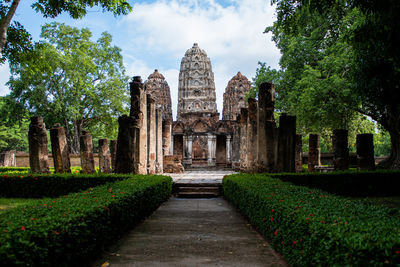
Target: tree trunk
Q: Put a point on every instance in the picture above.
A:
(5, 22)
(393, 127)
(77, 133)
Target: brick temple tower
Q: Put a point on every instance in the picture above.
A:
(234, 96)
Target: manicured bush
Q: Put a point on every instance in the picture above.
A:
(349, 183)
(14, 169)
(43, 185)
(69, 230)
(314, 228)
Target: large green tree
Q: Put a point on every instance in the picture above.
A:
(14, 38)
(339, 59)
(69, 79)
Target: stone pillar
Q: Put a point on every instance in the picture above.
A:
(38, 154)
(340, 149)
(314, 152)
(299, 153)
(235, 144)
(113, 151)
(159, 144)
(87, 158)
(228, 149)
(271, 133)
(166, 136)
(59, 149)
(365, 152)
(252, 150)
(212, 146)
(286, 143)
(151, 135)
(265, 117)
(104, 156)
(139, 113)
(7, 159)
(243, 138)
(128, 137)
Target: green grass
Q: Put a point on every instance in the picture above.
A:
(9, 203)
(391, 202)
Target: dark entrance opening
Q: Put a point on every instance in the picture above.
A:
(221, 150)
(178, 145)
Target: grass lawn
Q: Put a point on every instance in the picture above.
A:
(391, 202)
(8, 203)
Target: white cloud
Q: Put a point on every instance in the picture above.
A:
(232, 36)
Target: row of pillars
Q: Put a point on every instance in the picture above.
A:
(143, 140)
(266, 148)
(143, 137)
(364, 151)
(263, 146)
(38, 153)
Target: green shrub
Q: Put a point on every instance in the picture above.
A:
(44, 185)
(348, 183)
(14, 169)
(313, 228)
(69, 230)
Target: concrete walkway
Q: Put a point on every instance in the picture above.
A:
(193, 232)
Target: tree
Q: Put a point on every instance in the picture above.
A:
(19, 39)
(71, 80)
(13, 127)
(345, 51)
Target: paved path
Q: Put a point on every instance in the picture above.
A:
(201, 176)
(193, 232)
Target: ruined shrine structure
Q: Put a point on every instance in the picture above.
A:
(198, 135)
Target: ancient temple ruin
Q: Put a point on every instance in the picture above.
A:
(199, 135)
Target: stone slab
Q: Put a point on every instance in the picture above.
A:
(193, 232)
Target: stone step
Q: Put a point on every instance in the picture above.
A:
(198, 194)
(198, 185)
(213, 189)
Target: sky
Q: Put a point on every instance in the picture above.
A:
(156, 35)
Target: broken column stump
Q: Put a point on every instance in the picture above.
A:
(7, 159)
(38, 154)
(365, 152)
(159, 141)
(252, 136)
(87, 157)
(104, 156)
(299, 153)
(166, 136)
(151, 136)
(139, 113)
(340, 149)
(266, 105)
(243, 139)
(128, 136)
(59, 149)
(113, 152)
(314, 152)
(286, 143)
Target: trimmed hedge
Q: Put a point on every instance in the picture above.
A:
(348, 183)
(70, 230)
(14, 169)
(313, 228)
(44, 185)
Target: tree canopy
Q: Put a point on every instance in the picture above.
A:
(69, 79)
(13, 36)
(339, 60)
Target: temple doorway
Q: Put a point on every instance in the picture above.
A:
(221, 151)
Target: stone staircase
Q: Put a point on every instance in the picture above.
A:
(197, 190)
(199, 183)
